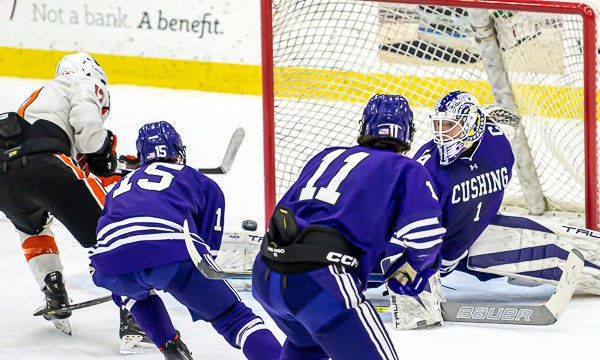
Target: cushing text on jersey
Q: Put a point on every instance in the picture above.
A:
(481, 185)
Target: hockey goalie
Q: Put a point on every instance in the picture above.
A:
(471, 161)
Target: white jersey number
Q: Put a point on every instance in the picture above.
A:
(329, 193)
(163, 183)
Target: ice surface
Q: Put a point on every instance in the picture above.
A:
(206, 121)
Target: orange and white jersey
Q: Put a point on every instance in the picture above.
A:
(76, 103)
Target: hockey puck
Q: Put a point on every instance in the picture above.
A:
(249, 225)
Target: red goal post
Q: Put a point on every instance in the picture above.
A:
(322, 59)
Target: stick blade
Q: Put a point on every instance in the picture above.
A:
(230, 154)
(489, 313)
(211, 273)
(544, 314)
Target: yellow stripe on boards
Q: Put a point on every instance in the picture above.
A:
(291, 82)
(165, 73)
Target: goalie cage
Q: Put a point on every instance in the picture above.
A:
(323, 59)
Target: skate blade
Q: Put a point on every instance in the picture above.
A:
(63, 325)
(134, 344)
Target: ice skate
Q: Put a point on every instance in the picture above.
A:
(133, 339)
(57, 298)
(175, 349)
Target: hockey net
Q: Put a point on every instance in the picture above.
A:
(323, 59)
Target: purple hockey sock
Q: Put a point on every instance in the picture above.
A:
(262, 345)
(243, 329)
(153, 318)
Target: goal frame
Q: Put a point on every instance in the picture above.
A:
(552, 7)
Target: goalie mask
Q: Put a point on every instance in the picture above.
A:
(388, 116)
(457, 121)
(159, 141)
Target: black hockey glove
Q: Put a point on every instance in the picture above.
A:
(131, 162)
(104, 162)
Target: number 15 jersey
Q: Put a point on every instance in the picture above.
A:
(142, 222)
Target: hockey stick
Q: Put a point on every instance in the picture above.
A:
(230, 154)
(495, 313)
(232, 149)
(488, 313)
(203, 266)
(77, 306)
(544, 314)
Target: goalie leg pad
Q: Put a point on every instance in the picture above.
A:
(532, 255)
(237, 253)
(423, 310)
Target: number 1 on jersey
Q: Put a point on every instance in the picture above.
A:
(329, 193)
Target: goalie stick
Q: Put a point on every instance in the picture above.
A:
(546, 313)
(77, 306)
(488, 313)
(234, 145)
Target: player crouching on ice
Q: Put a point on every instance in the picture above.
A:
(348, 206)
(141, 249)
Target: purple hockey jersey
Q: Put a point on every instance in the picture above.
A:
(375, 198)
(142, 222)
(470, 189)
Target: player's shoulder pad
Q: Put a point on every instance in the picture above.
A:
(86, 87)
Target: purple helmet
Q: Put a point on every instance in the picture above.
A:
(388, 116)
(159, 141)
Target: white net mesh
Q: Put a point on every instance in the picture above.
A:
(330, 56)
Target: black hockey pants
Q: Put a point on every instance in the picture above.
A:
(34, 185)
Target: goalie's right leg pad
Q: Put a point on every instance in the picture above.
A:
(533, 255)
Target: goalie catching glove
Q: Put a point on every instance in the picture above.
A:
(403, 279)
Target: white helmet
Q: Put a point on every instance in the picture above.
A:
(82, 64)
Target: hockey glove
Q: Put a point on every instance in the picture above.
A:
(403, 279)
(131, 162)
(104, 162)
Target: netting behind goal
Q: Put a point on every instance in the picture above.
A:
(323, 59)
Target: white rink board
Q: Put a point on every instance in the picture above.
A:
(203, 30)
